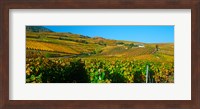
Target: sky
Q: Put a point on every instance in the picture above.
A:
(146, 34)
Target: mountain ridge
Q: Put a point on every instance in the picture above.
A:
(37, 29)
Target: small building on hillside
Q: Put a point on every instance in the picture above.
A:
(141, 45)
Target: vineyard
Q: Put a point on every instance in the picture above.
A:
(101, 70)
(34, 45)
(124, 51)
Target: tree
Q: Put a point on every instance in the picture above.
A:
(157, 47)
(120, 43)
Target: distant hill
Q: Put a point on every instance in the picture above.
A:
(37, 29)
(70, 43)
(42, 41)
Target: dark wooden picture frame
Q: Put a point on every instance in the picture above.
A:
(5, 103)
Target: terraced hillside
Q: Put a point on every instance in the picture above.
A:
(66, 43)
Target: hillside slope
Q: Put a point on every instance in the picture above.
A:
(53, 44)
